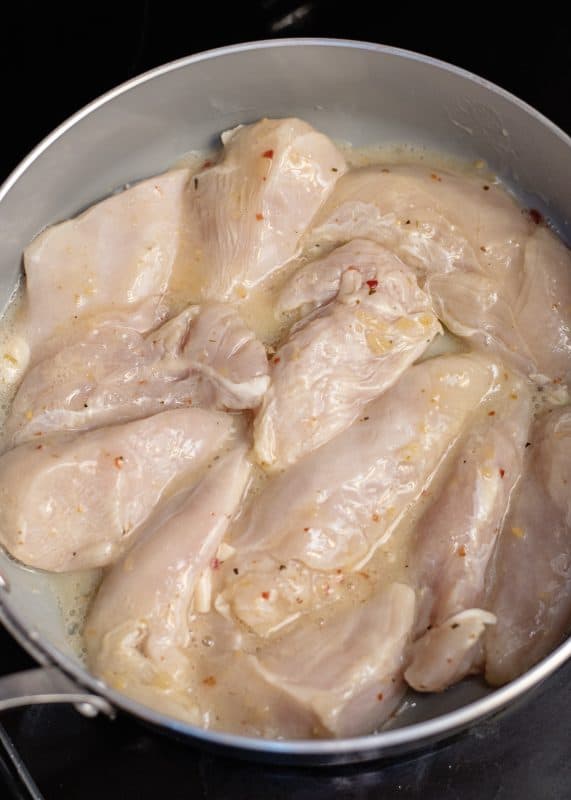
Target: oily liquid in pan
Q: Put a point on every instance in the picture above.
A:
(389, 563)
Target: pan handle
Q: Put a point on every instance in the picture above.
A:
(49, 685)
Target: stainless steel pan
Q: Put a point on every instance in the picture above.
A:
(362, 93)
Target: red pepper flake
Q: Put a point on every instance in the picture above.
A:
(277, 360)
(207, 164)
(209, 681)
(435, 177)
(266, 595)
(215, 563)
(462, 551)
(380, 696)
(119, 461)
(372, 284)
(39, 447)
(491, 413)
(535, 216)
(268, 154)
(305, 530)
(259, 217)
(502, 472)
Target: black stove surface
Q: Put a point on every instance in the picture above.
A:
(55, 59)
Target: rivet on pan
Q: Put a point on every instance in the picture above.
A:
(4, 583)
(87, 709)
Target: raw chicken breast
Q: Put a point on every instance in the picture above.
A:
(543, 305)
(340, 358)
(77, 501)
(455, 538)
(266, 594)
(526, 315)
(137, 627)
(448, 652)
(531, 587)
(337, 504)
(113, 261)
(436, 221)
(491, 271)
(317, 282)
(202, 357)
(254, 206)
(347, 672)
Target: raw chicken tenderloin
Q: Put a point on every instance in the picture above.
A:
(489, 269)
(206, 357)
(256, 203)
(347, 672)
(340, 358)
(531, 586)
(456, 537)
(137, 627)
(114, 261)
(337, 504)
(526, 315)
(77, 501)
(317, 282)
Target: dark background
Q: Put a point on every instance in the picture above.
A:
(55, 58)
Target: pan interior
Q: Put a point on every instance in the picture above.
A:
(355, 93)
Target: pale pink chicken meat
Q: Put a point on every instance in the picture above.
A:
(317, 281)
(525, 315)
(114, 261)
(77, 501)
(530, 590)
(254, 205)
(448, 652)
(270, 599)
(342, 356)
(455, 540)
(347, 672)
(489, 269)
(137, 627)
(336, 505)
(203, 357)
(434, 220)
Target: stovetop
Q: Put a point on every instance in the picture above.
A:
(56, 58)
